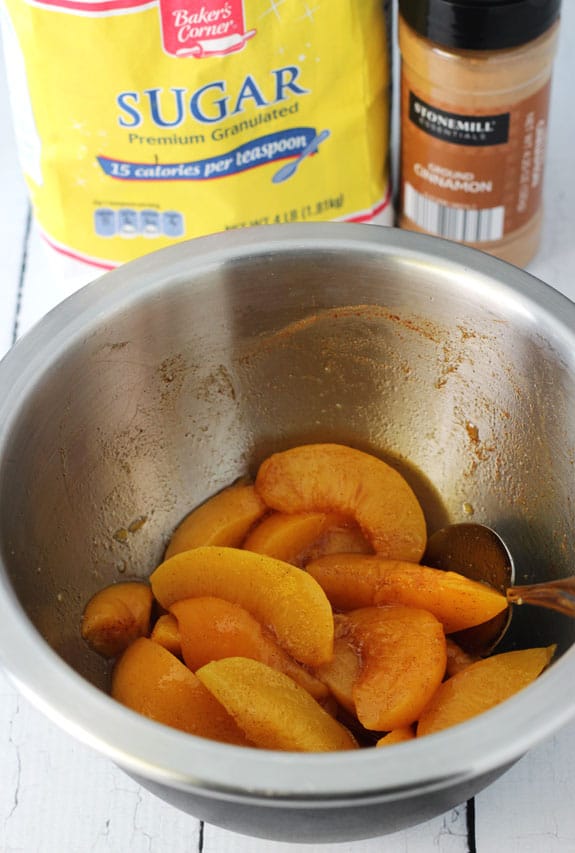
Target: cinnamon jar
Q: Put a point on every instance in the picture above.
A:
(475, 83)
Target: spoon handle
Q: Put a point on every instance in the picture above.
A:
(555, 595)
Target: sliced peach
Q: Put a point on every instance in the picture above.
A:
(403, 661)
(350, 581)
(115, 616)
(279, 595)
(290, 537)
(223, 519)
(341, 673)
(458, 602)
(457, 658)
(150, 680)
(337, 478)
(272, 710)
(212, 629)
(481, 686)
(166, 633)
(341, 540)
(360, 580)
(396, 736)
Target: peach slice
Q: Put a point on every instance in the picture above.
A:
(349, 580)
(223, 519)
(341, 673)
(341, 540)
(481, 686)
(396, 736)
(337, 478)
(150, 680)
(167, 634)
(457, 658)
(279, 595)
(272, 710)
(116, 616)
(403, 660)
(362, 580)
(212, 629)
(290, 537)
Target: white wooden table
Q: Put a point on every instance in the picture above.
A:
(58, 796)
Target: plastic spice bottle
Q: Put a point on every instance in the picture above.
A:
(475, 81)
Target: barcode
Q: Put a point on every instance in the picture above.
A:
(453, 223)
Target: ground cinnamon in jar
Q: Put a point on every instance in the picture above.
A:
(475, 86)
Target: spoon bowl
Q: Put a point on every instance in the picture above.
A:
(478, 552)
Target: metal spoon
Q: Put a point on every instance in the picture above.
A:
(479, 553)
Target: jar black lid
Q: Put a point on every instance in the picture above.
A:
(480, 24)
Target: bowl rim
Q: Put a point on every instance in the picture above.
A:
(150, 750)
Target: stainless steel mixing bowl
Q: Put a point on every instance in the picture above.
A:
(163, 381)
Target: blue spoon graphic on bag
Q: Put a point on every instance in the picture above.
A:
(290, 168)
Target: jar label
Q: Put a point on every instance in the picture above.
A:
(474, 176)
(458, 128)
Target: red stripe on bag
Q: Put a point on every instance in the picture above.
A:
(93, 7)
